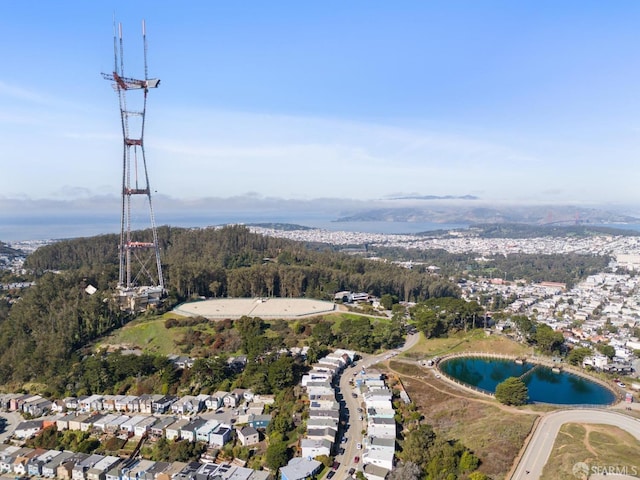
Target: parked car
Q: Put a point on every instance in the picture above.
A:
(351, 471)
(335, 465)
(358, 446)
(356, 459)
(331, 474)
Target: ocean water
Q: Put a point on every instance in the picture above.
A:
(14, 228)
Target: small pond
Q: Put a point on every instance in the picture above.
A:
(544, 385)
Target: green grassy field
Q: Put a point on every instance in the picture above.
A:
(474, 341)
(150, 335)
(147, 334)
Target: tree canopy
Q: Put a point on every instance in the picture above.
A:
(512, 391)
(42, 335)
(438, 316)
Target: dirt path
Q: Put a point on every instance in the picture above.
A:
(451, 390)
(425, 378)
(587, 444)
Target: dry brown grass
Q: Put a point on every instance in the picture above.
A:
(493, 432)
(599, 446)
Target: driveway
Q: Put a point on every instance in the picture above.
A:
(12, 421)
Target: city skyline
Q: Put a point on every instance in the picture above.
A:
(534, 102)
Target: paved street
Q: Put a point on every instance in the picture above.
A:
(350, 406)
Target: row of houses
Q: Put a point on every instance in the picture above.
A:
(380, 440)
(36, 405)
(237, 363)
(210, 431)
(324, 415)
(324, 410)
(65, 465)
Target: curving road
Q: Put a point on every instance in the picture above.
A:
(539, 447)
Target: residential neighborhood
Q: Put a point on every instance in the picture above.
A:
(214, 420)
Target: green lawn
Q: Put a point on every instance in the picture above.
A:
(150, 335)
(473, 341)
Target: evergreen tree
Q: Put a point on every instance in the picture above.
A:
(512, 391)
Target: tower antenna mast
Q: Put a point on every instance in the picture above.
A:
(140, 280)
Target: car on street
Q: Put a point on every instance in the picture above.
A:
(358, 446)
(356, 459)
(354, 395)
(351, 471)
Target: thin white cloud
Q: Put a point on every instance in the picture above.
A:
(194, 154)
(24, 94)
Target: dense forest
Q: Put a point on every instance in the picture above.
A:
(565, 268)
(42, 334)
(44, 329)
(233, 262)
(520, 230)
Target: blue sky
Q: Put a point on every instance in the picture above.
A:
(518, 102)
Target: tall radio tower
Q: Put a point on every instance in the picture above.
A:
(140, 281)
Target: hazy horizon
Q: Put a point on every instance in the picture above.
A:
(22, 219)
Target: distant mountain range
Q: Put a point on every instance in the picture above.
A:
(467, 214)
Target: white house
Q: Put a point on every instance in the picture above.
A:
(27, 429)
(299, 468)
(315, 376)
(144, 426)
(248, 436)
(318, 389)
(311, 448)
(189, 431)
(173, 431)
(596, 361)
(185, 405)
(129, 426)
(381, 427)
(322, 422)
(204, 431)
(380, 452)
(220, 436)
